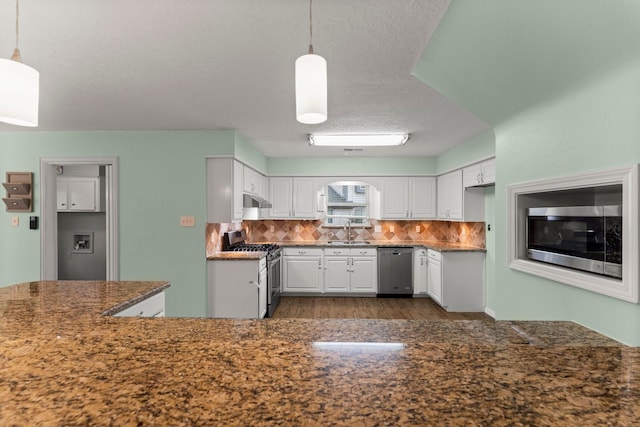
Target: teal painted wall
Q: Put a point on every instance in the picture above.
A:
(594, 127)
(245, 152)
(162, 177)
(352, 166)
(478, 147)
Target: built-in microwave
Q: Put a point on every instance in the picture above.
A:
(586, 238)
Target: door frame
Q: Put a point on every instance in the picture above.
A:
(49, 213)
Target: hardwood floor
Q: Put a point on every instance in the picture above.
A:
(367, 308)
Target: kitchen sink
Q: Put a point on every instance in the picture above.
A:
(352, 242)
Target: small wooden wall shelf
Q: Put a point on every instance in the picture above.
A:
(19, 187)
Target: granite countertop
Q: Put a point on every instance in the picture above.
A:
(429, 244)
(238, 256)
(62, 362)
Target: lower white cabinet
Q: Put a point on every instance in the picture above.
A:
(351, 270)
(420, 271)
(302, 270)
(237, 288)
(150, 307)
(456, 279)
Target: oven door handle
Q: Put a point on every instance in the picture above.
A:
(255, 283)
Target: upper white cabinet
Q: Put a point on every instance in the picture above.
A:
(293, 198)
(224, 190)
(408, 198)
(457, 204)
(480, 174)
(80, 194)
(252, 182)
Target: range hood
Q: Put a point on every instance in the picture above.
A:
(251, 201)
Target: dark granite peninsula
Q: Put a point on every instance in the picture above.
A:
(64, 362)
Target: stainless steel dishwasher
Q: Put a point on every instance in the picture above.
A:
(395, 271)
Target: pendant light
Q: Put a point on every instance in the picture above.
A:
(19, 88)
(311, 83)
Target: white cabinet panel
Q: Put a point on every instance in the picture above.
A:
(79, 194)
(302, 270)
(456, 280)
(420, 271)
(480, 174)
(351, 270)
(224, 190)
(408, 198)
(150, 307)
(252, 181)
(455, 203)
(237, 288)
(293, 198)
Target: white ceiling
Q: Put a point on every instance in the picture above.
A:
(229, 64)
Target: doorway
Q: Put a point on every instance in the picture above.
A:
(50, 169)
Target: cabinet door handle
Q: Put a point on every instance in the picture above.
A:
(253, 282)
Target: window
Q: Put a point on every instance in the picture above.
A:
(347, 202)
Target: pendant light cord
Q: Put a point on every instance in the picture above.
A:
(310, 27)
(16, 52)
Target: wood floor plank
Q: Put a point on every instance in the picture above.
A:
(367, 308)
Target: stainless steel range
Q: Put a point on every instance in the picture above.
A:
(237, 241)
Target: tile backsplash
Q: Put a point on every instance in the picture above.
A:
(282, 231)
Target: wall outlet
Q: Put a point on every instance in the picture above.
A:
(15, 221)
(417, 228)
(391, 228)
(297, 229)
(187, 221)
(272, 229)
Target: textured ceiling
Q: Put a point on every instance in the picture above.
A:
(229, 64)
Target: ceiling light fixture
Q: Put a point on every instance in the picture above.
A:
(19, 88)
(367, 140)
(311, 84)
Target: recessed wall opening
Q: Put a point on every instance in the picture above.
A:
(578, 230)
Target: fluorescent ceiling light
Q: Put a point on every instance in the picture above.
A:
(367, 140)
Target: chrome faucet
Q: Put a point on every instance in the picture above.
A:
(347, 226)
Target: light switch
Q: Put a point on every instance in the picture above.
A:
(15, 221)
(187, 221)
(297, 228)
(377, 229)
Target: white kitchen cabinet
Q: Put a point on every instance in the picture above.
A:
(455, 203)
(408, 198)
(420, 271)
(293, 198)
(224, 190)
(252, 181)
(480, 174)
(302, 270)
(150, 307)
(434, 276)
(351, 270)
(80, 194)
(456, 279)
(237, 288)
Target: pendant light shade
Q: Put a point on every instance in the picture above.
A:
(311, 83)
(19, 88)
(311, 89)
(19, 93)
